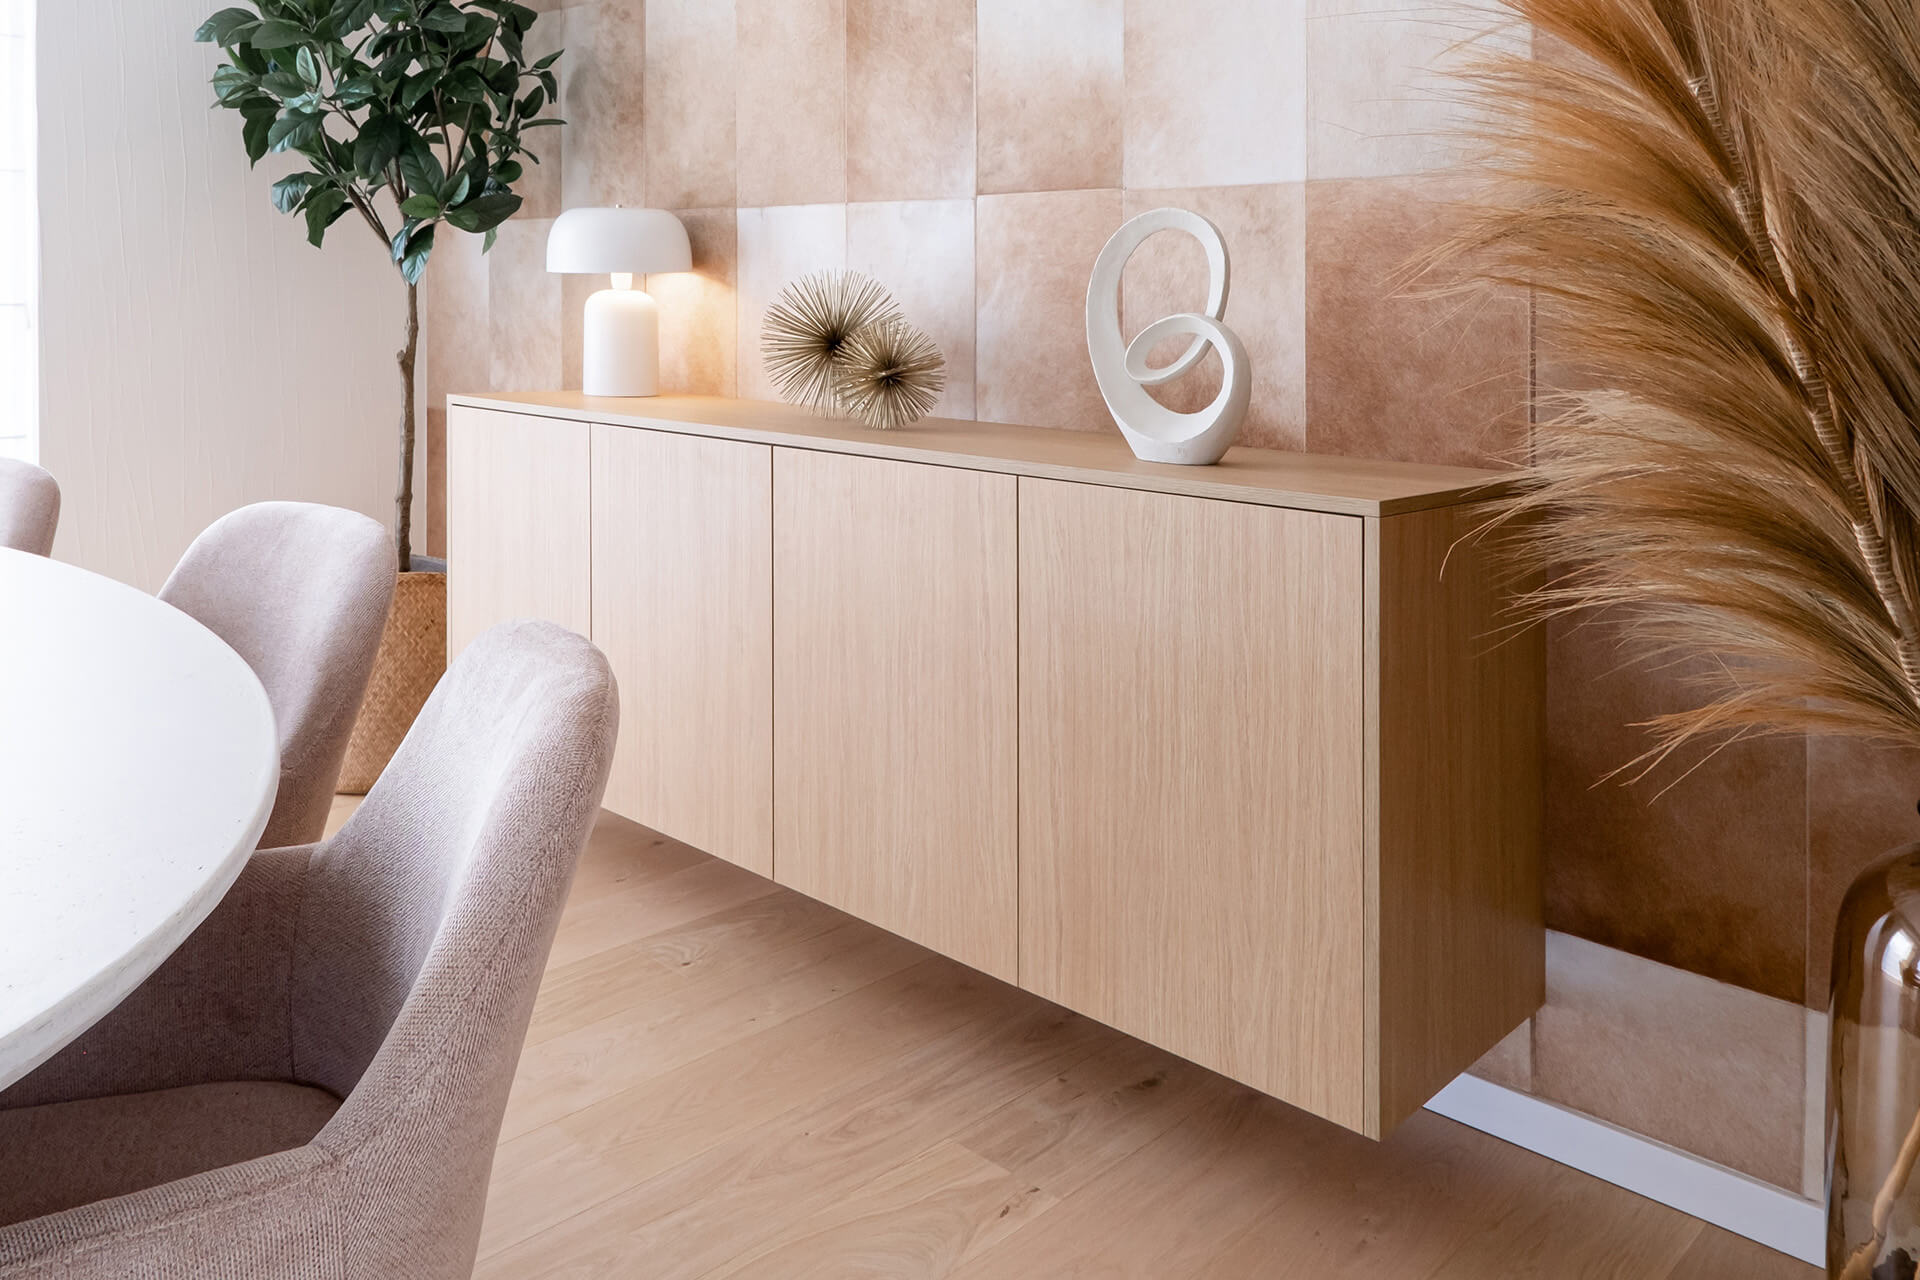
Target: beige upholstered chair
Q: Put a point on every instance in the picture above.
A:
(29, 507)
(301, 592)
(393, 966)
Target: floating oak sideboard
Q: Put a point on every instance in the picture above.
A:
(1219, 756)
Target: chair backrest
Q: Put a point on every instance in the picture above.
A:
(29, 507)
(301, 592)
(425, 928)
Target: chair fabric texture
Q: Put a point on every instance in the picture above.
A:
(301, 592)
(29, 507)
(393, 967)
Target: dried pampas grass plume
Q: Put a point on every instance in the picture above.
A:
(1718, 204)
(807, 329)
(890, 375)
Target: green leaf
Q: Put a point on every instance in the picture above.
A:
(293, 130)
(508, 172)
(257, 132)
(445, 18)
(291, 190)
(486, 246)
(411, 246)
(309, 69)
(417, 87)
(484, 212)
(421, 170)
(276, 34)
(351, 15)
(420, 207)
(531, 104)
(322, 212)
(380, 143)
(222, 26)
(356, 91)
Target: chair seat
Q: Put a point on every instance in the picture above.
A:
(65, 1154)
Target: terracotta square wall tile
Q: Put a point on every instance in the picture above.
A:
(1216, 92)
(909, 99)
(1705, 1066)
(1380, 101)
(1050, 94)
(1035, 253)
(1709, 876)
(791, 101)
(699, 316)
(1265, 229)
(689, 89)
(776, 247)
(523, 306)
(1861, 799)
(1390, 375)
(603, 153)
(922, 251)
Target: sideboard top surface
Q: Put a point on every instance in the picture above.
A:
(1305, 481)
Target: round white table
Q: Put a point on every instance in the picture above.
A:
(138, 765)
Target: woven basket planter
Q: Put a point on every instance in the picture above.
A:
(413, 654)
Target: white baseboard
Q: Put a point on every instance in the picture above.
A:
(1740, 1204)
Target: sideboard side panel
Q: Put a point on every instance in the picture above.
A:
(683, 609)
(894, 698)
(1462, 952)
(518, 537)
(1191, 801)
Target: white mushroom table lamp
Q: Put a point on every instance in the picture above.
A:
(620, 342)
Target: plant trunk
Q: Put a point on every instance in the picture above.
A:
(403, 503)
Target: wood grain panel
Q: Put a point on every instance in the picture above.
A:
(894, 698)
(1191, 790)
(518, 527)
(1269, 477)
(683, 609)
(1457, 796)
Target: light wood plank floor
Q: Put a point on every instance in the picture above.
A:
(725, 1079)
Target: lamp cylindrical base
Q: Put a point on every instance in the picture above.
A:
(620, 345)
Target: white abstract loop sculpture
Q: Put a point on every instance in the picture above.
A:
(1154, 432)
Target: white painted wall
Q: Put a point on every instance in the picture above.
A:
(196, 353)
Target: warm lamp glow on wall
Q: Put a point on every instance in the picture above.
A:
(620, 343)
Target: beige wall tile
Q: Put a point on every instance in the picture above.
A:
(791, 101)
(922, 251)
(1861, 799)
(1391, 375)
(776, 247)
(453, 303)
(603, 153)
(1509, 1063)
(690, 91)
(1705, 869)
(523, 309)
(1705, 1066)
(541, 188)
(1050, 94)
(1035, 253)
(1216, 92)
(699, 319)
(909, 99)
(1266, 233)
(574, 292)
(1380, 98)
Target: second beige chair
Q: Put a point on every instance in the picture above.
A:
(301, 592)
(29, 507)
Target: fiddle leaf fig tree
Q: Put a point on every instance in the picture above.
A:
(408, 114)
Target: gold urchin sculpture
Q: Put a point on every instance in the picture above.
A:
(807, 329)
(890, 375)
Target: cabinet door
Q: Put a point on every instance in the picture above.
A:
(1191, 780)
(517, 522)
(895, 699)
(683, 609)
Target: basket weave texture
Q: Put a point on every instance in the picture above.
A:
(413, 654)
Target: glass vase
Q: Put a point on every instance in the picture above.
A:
(1873, 1076)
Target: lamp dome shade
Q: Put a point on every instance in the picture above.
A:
(611, 241)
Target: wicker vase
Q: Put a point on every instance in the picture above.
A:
(413, 654)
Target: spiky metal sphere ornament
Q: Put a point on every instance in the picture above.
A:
(807, 329)
(890, 374)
